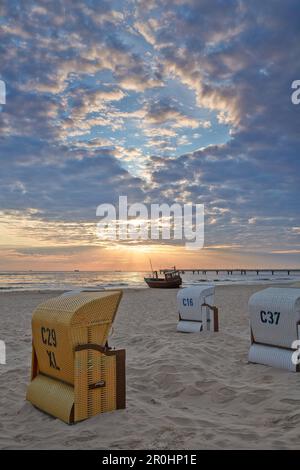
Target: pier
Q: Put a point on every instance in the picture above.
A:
(241, 271)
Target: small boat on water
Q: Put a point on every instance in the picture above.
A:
(172, 280)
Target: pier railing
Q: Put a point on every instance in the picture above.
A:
(242, 271)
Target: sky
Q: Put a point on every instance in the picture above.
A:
(174, 101)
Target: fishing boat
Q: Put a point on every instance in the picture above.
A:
(172, 280)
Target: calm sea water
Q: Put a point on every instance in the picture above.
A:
(109, 279)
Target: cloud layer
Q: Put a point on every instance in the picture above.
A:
(185, 101)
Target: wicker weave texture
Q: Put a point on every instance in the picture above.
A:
(274, 316)
(52, 396)
(62, 323)
(271, 356)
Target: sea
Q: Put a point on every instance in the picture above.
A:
(66, 280)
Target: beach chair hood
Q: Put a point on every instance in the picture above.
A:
(275, 315)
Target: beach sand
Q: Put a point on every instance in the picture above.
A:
(184, 391)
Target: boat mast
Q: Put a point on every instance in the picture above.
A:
(154, 273)
(151, 265)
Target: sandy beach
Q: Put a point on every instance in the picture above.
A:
(184, 391)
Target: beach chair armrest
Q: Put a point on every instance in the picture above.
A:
(95, 347)
(216, 314)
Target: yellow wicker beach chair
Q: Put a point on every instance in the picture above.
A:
(75, 375)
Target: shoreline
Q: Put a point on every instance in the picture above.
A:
(279, 283)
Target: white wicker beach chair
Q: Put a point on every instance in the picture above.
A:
(275, 327)
(196, 309)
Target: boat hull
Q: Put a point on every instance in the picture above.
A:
(155, 283)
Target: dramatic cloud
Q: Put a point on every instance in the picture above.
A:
(181, 100)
